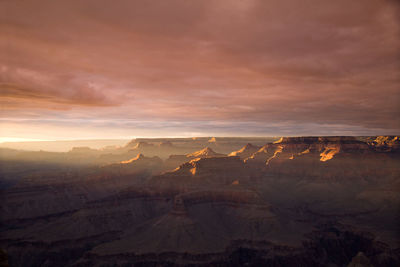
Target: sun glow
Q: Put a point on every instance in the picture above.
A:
(18, 139)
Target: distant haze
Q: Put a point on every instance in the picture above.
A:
(62, 146)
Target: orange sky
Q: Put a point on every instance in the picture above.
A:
(117, 69)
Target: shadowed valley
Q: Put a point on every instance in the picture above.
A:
(290, 201)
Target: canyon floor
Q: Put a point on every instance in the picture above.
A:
(290, 201)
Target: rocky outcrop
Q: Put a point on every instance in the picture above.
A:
(246, 151)
(138, 164)
(385, 143)
(261, 156)
(161, 149)
(214, 170)
(309, 201)
(341, 143)
(325, 158)
(175, 161)
(329, 157)
(212, 140)
(315, 139)
(204, 153)
(143, 145)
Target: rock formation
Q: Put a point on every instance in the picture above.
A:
(175, 161)
(204, 153)
(300, 201)
(246, 151)
(385, 143)
(138, 164)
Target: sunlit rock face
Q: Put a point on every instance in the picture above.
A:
(385, 143)
(161, 148)
(209, 170)
(212, 140)
(204, 153)
(138, 164)
(329, 157)
(260, 157)
(143, 145)
(246, 151)
(325, 145)
(175, 161)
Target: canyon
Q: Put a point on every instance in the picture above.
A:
(290, 201)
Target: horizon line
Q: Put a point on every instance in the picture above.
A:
(30, 140)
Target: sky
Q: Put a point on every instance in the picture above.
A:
(82, 69)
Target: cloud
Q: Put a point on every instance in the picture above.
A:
(34, 88)
(83, 96)
(299, 64)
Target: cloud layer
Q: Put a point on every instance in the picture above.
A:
(222, 67)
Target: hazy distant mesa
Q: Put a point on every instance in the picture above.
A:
(176, 151)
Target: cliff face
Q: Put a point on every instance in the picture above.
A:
(320, 144)
(214, 170)
(204, 153)
(161, 148)
(385, 143)
(136, 165)
(261, 156)
(175, 161)
(245, 151)
(310, 201)
(191, 225)
(324, 158)
(313, 140)
(311, 157)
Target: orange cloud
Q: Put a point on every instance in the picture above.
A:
(273, 62)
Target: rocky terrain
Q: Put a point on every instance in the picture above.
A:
(296, 201)
(174, 161)
(245, 152)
